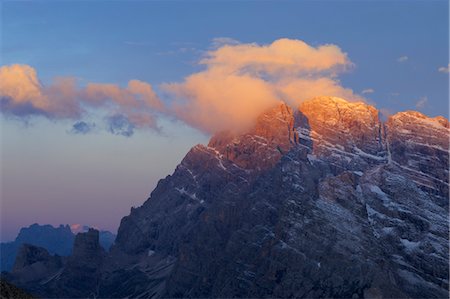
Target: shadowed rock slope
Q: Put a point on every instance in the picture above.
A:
(9, 291)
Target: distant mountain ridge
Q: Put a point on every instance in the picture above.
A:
(56, 240)
(324, 201)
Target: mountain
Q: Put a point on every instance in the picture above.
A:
(56, 240)
(322, 201)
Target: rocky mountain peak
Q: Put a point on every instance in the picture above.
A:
(420, 118)
(276, 125)
(337, 112)
(420, 146)
(38, 230)
(272, 135)
(418, 123)
(34, 263)
(326, 201)
(87, 244)
(29, 254)
(348, 134)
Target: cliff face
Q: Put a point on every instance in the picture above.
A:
(324, 201)
(420, 146)
(345, 135)
(56, 240)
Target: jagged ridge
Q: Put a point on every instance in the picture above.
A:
(325, 201)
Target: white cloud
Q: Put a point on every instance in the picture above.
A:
(402, 58)
(444, 69)
(422, 102)
(368, 90)
(218, 42)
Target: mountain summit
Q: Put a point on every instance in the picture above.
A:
(322, 201)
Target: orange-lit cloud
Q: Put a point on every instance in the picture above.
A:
(132, 106)
(283, 56)
(212, 102)
(242, 80)
(297, 90)
(137, 95)
(22, 95)
(76, 228)
(238, 82)
(21, 83)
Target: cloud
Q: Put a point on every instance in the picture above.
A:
(22, 95)
(444, 69)
(120, 125)
(137, 96)
(242, 80)
(76, 228)
(402, 58)
(368, 90)
(421, 103)
(212, 102)
(218, 42)
(283, 56)
(81, 127)
(21, 83)
(295, 91)
(238, 82)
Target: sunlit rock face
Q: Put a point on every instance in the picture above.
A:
(262, 147)
(349, 135)
(312, 202)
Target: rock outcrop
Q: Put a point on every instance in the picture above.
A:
(46, 275)
(56, 240)
(35, 264)
(81, 274)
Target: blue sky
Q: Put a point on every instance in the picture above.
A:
(50, 176)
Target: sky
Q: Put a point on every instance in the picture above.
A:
(101, 99)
